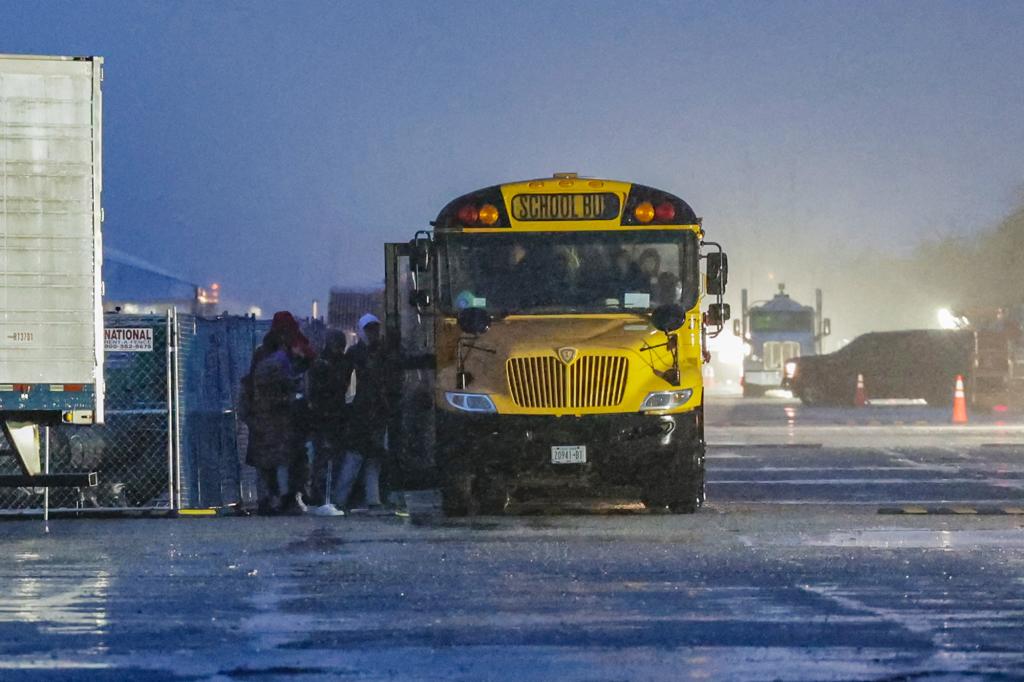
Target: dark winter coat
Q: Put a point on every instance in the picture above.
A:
(275, 423)
(328, 383)
(368, 413)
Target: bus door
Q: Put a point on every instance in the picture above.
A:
(409, 333)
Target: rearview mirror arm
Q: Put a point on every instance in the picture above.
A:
(423, 239)
(671, 375)
(719, 299)
(466, 343)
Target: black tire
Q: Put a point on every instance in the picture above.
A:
(678, 485)
(492, 497)
(809, 396)
(457, 498)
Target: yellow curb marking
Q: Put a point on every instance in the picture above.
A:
(915, 510)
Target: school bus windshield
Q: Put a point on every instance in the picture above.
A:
(568, 272)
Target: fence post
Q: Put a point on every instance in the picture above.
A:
(177, 409)
(46, 491)
(170, 416)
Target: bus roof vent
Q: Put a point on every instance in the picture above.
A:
(566, 176)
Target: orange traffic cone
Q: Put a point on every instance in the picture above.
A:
(860, 398)
(959, 402)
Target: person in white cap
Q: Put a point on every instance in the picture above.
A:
(367, 420)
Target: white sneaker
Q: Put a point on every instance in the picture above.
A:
(327, 510)
(300, 504)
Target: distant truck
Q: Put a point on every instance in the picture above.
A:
(998, 374)
(912, 364)
(51, 323)
(775, 332)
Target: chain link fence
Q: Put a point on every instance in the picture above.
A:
(132, 452)
(214, 355)
(171, 438)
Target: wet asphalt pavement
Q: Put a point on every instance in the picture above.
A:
(888, 548)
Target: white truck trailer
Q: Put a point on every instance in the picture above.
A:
(51, 321)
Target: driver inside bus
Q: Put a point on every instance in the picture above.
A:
(511, 277)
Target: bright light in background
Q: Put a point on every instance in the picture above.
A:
(727, 348)
(947, 320)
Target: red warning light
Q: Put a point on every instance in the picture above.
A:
(664, 212)
(468, 214)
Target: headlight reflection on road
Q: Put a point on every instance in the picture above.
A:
(790, 415)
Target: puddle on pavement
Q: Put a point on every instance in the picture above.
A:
(320, 540)
(57, 604)
(911, 538)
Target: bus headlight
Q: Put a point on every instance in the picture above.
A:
(665, 400)
(790, 369)
(470, 402)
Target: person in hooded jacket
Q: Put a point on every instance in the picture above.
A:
(366, 448)
(275, 416)
(328, 382)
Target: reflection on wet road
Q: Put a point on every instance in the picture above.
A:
(741, 594)
(790, 573)
(981, 476)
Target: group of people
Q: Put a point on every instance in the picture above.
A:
(591, 275)
(337, 401)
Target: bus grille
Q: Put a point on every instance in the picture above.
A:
(545, 382)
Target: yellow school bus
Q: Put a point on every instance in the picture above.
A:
(561, 336)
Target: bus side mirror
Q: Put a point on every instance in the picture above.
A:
(474, 321)
(420, 298)
(668, 317)
(826, 327)
(419, 255)
(717, 314)
(718, 273)
(420, 260)
(737, 327)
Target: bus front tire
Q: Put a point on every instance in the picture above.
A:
(467, 495)
(679, 486)
(457, 495)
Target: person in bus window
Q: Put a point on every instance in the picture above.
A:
(629, 274)
(513, 282)
(650, 267)
(667, 289)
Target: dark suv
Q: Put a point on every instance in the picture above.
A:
(919, 363)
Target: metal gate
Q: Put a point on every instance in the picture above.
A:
(135, 452)
(172, 439)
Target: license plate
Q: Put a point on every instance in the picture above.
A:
(569, 454)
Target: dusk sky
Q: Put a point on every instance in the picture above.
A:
(274, 146)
